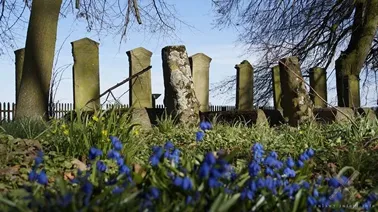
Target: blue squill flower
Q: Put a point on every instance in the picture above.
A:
(93, 153)
(42, 178)
(200, 135)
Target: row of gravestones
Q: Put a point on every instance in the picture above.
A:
(186, 81)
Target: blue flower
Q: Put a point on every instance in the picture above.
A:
(269, 171)
(290, 190)
(93, 153)
(157, 151)
(372, 197)
(344, 181)
(117, 144)
(311, 201)
(303, 157)
(100, 165)
(338, 196)
(38, 161)
(169, 145)
(269, 184)
(258, 151)
(260, 183)
(120, 161)
(154, 160)
(300, 164)
(205, 125)
(117, 190)
(113, 154)
(246, 193)
(177, 181)
(254, 169)
(289, 172)
(204, 170)
(155, 193)
(124, 169)
(290, 162)
(213, 182)
(65, 200)
(188, 200)
(210, 158)
(315, 193)
(305, 185)
(333, 182)
(273, 154)
(42, 178)
(310, 152)
(200, 135)
(186, 183)
(32, 176)
(87, 188)
(366, 205)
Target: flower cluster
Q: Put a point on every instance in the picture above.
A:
(168, 152)
(213, 169)
(204, 126)
(40, 177)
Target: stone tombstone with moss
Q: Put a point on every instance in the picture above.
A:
(179, 97)
(244, 86)
(86, 76)
(200, 65)
(296, 102)
(140, 88)
(318, 83)
(277, 91)
(19, 56)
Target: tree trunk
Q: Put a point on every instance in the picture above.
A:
(350, 62)
(32, 101)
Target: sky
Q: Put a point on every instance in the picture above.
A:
(220, 45)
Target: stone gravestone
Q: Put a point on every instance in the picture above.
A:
(20, 55)
(179, 97)
(277, 92)
(200, 65)
(296, 102)
(318, 82)
(140, 89)
(244, 86)
(86, 78)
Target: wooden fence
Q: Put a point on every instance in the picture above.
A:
(58, 110)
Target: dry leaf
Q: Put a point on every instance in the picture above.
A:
(80, 165)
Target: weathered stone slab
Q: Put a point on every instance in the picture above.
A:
(230, 117)
(200, 65)
(277, 91)
(329, 115)
(368, 113)
(318, 81)
(86, 76)
(296, 102)
(179, 97)
(244, 86)
(140, 87)
(140, 116)
(19, 56)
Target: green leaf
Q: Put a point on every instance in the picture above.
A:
(216, 204)
(229, 203)
(297, 200)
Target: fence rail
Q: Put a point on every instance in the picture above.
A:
(58, 110)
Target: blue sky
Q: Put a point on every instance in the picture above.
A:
(221, 46)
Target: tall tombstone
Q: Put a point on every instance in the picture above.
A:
(244, 86)
(318, 82)
(20, 55)
(296, 102)
(277, 91)
(86, 76)
(179, 97)
(140, 87)
(200, 65)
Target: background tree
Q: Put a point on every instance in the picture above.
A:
(314, 30)
(109, 16)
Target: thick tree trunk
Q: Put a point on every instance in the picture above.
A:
(350, 62)
(32, 101)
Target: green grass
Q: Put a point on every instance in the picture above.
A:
(336, 145)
